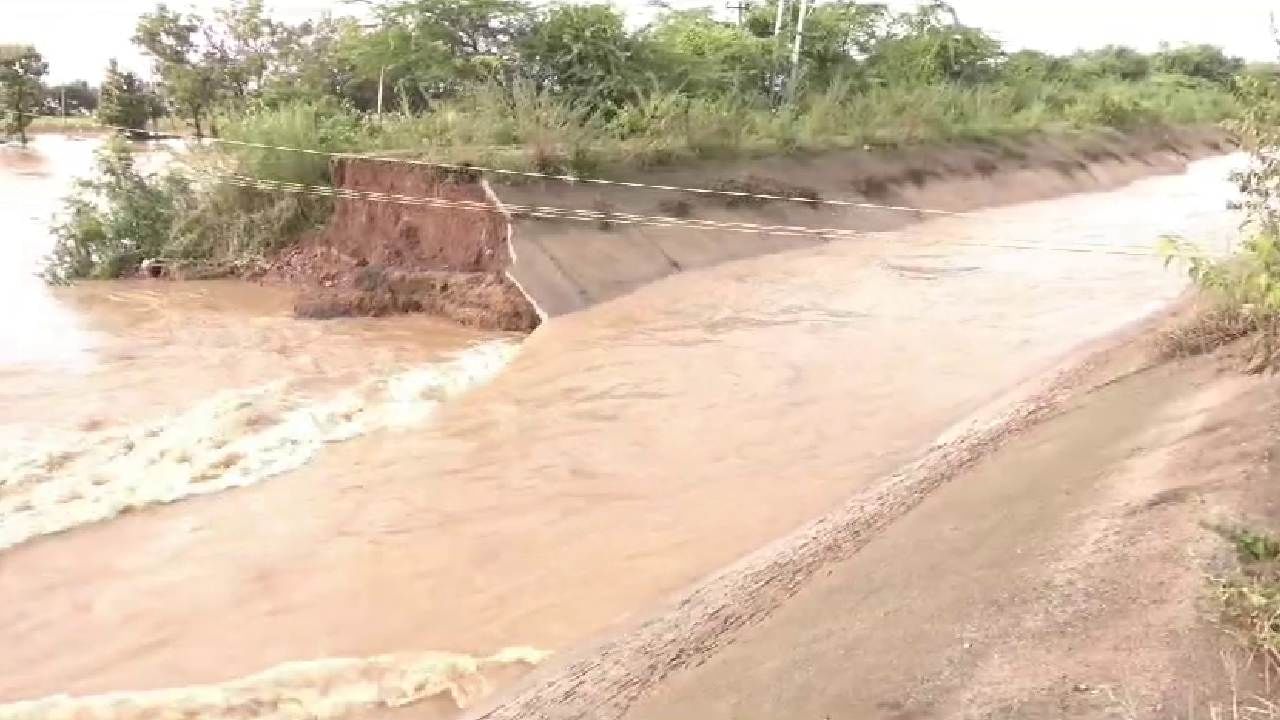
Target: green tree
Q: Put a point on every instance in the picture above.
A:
(1114, 61)
(21, 68)
(194, 78)
(703, 56)
(244, 44)
(79, 95)
(426, 49)
(587, 52)
(1200, 61)
(838, 38)
(312, 62)
(931, 46)
(1033, 65)
(124, 102)
(467, 29)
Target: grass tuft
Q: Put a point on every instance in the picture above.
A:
(1206, 331)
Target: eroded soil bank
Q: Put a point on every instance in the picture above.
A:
(466, 260)
(379, 257)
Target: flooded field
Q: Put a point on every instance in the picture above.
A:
(197, 488)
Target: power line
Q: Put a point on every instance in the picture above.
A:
(602, 217)
(598, 217)
(574, 179)
(571, 179)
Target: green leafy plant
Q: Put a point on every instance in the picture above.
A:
(122, 101)
(114, 222)
(21, 68)
(1249, 281)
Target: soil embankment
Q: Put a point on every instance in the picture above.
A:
(1050, 559)
(378, 257)
(483, 268)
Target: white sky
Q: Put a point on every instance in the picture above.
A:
(77, 37)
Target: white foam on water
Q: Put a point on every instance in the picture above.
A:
(232, 440)
(301, 690)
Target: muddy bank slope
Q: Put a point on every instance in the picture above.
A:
(1048, 558)
(566, 265)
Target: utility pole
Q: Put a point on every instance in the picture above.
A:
(777, 21)
(741, 7)
(382, 74)
(63, 106)
(795, 48)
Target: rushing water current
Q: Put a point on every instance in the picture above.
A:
(203, 497)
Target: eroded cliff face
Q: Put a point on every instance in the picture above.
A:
(377, 257)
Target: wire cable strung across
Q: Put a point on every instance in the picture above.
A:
(572, 179)
(598, 217)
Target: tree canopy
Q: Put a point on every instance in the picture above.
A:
(21, 92)
(416, 53)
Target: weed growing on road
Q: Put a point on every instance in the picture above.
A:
(1250, 599)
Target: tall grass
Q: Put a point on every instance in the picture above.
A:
(522, 127)
(320, 126)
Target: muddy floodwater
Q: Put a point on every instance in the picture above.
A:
(196, 488)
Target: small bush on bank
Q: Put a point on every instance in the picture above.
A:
(115, 221)
(185, 217)
(1247, 285)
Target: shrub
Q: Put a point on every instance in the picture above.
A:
(1110, 106)
(323, 126)
(1248, 283)
(115, 221)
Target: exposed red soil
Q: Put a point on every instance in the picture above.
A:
(475, 299)
(376, 257)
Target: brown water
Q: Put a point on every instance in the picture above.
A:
(623, 453)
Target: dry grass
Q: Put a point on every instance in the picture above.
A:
(1205, 331)
(675, 208)
(1249, 604)
(754, 185)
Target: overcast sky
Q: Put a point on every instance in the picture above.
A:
(77, 37)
